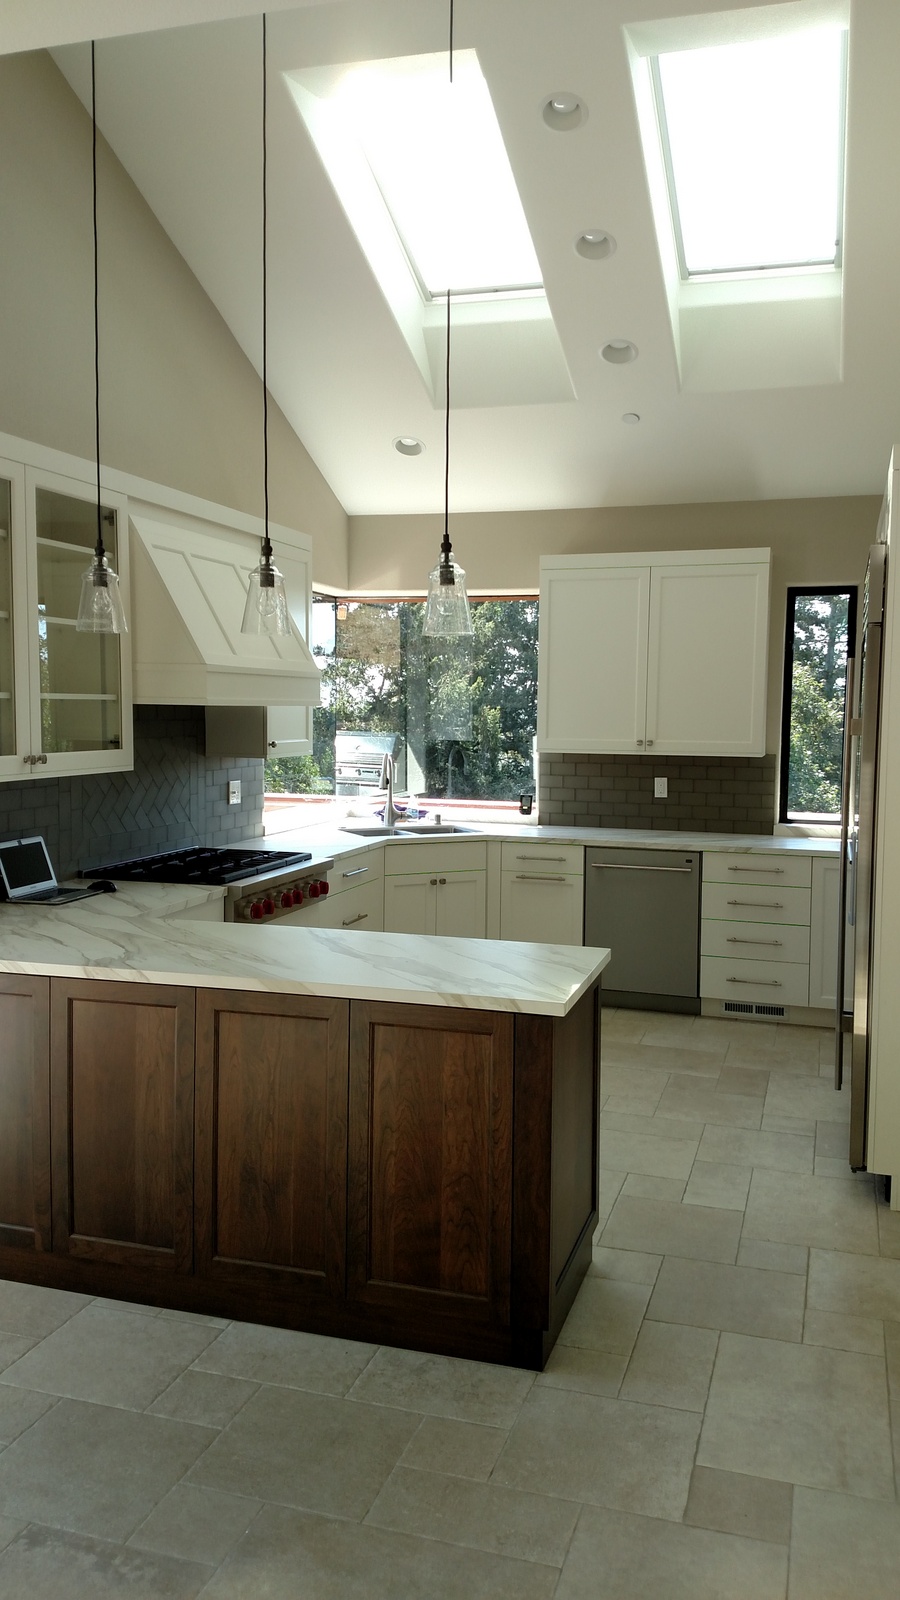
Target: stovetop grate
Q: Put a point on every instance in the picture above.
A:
(201, 864)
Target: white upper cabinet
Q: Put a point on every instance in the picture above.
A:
(65, 697)
(662, 652)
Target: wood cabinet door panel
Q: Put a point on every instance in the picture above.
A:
(431, 1159)
(122, 1096)
(24, 1113)
(271, 1138)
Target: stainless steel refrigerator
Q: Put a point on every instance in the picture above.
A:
(858, 824)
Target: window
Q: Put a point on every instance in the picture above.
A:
(463, 713)
(820, 634)
(753, 139)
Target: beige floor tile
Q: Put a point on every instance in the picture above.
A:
(12, 1346)
(461, 1449)
(674, 1056)
(620, 1024)
(32, 1312)
(196, 1524)
(19, 1408)
(832, 1139)
(854, 1285)
(735, 1299)
(615, 1453)
(892, 1352)
(630, 1103)
(205, 1397)
(784, 1152)
(671, 1366)
(781, 1061)
(638, 1152)
(831, 1167)
(283, 1356)
(484, 1516)
(888, 1231)
(440, 1386)
(610, 1186)
(718, 1183)
(700, 1232)
(688, 1097)
(731, 1030)
(630, 1266)
(753, 1081)
(844, 1547)
(95, 1469)
(808, 1098)
(773, 1257)
(840, 1332)
(588, 1371)
(619, 1557)
(9, 1527)
(732, 1502)
(288, 1555)
(115, 1359)
(798, 1413)
(625, 1071)
(347, 1451)
(828, 1213)
(606, 1316)
(655, 1127)
(803, 1127)
(653, 1188)
(140, 1309)
(52, 1565)
(196, 1316)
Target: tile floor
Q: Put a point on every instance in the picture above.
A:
(715, 1424)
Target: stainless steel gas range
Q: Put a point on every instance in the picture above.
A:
(260, 885)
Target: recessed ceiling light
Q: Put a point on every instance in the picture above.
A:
(595, 244)
(631, 417)
(406, 445)
(618, 351)
(563, 111)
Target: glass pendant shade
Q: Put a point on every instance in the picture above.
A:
(447, 614)
(100, 608)
(266, 608)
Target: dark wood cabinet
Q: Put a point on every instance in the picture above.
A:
(271, 1149)
(430, 1180)
(24, 1113)
(122, 1078)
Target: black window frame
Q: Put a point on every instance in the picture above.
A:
(795, 591)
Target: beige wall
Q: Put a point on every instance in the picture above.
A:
(181, 404)
(812, 541)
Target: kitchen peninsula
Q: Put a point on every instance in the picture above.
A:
(375, 1136)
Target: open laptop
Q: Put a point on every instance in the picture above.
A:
(27, 876)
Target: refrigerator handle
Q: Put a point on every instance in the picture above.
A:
(846, 802)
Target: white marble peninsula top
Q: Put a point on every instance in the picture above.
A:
(128, 937)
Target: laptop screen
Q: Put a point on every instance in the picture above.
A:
(25, 867)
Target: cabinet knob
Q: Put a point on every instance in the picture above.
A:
(442, 880)
(649, 743)
(273, 744)
(640, 742)
(432, 881)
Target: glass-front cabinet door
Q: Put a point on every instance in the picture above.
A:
(14, 705)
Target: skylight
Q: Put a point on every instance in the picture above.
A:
(438, 157)
(753, 142)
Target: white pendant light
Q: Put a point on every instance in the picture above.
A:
(266, 608)
(447, 613)
(100, 608)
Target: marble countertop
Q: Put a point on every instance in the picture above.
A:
(126, 937)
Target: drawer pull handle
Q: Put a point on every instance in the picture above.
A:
(759, 905)
(540, 858)
(756, 869)
(355, 872)
(539, 877)
(762, 983)
(349, 921)
(776, 943)
(617, 866)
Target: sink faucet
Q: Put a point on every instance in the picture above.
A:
(387, 782)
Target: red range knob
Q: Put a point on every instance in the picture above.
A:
(297, 897)
(256, 911)
(315, 889)
(323, 886)
(268, 906)
(287, 899)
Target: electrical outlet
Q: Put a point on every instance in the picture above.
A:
(660, 788)
(234, 792)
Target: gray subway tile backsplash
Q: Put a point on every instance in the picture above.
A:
(734, 795)
(175, 796)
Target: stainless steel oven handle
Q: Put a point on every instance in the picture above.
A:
(616, 866)
(775, 943)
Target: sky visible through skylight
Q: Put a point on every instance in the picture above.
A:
(755, 142)
(438, 156)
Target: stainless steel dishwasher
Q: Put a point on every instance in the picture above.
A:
(645, 906)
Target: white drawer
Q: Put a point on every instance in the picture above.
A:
(781, 871)
(755, 902)
(542, 907)
(518, 856)
(765, 982)
(362, 866)
(436, 855)
(754, 941)
(361, 907)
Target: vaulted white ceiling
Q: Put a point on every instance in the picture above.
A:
(180, 106)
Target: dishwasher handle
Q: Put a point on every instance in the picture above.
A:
(620, 866)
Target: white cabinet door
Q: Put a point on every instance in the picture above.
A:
(460, 905)
(592, 677)
(708, 645)
(823, 941)
(409, 903)
(288, 731)
(542, 909)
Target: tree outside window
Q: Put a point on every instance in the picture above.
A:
(821, 626)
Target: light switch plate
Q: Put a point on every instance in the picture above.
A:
(234, 792)
(660, 788)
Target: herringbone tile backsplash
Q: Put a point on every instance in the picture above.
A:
(175, 796)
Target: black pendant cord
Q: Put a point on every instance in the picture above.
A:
(267, 543)
(451, 41)
(99, 552)
(446, 548)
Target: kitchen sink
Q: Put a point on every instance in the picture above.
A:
(374, 830)
(380, 830)
(433, 827)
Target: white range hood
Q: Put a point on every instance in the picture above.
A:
(188, 586)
